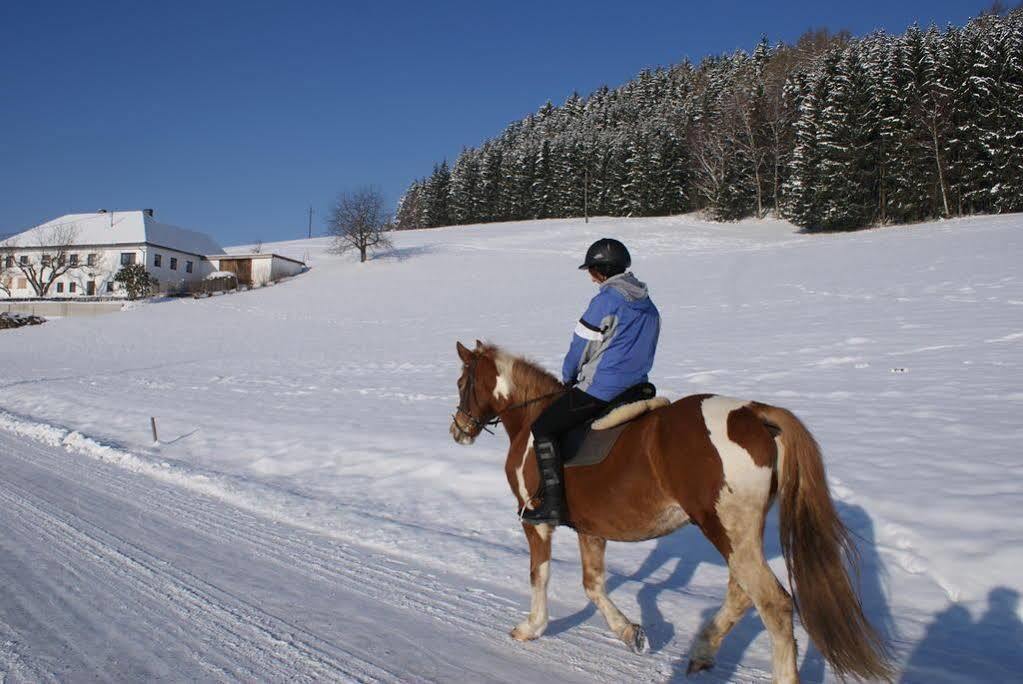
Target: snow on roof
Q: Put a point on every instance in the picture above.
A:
(117, 227)
(254, 255)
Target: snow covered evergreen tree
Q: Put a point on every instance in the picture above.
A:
(846, 135)
(436, 197)
(830, 132)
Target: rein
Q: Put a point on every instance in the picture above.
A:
(484, 424)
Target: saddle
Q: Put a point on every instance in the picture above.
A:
(591, 442)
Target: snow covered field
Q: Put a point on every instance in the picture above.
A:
(309, 421)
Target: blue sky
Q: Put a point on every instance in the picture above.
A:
(233, 117)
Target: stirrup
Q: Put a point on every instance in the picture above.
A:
(544, 515)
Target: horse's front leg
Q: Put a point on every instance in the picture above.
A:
(539, 537)
(592, 551)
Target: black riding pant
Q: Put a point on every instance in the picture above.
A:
(570, 410)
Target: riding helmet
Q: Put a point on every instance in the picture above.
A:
(608, 256)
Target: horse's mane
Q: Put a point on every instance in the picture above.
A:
(528, 377)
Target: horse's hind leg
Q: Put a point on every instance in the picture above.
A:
(737, 602)
(773, 603)
(592, 551)
(539, 538)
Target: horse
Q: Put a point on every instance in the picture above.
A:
(710, 460)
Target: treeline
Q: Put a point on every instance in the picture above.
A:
(832, 133)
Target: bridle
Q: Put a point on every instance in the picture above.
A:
(478, 424)
(481, 424)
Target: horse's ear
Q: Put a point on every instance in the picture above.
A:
(463, 352)
(479, 345)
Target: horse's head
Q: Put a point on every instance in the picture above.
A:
(476, 396)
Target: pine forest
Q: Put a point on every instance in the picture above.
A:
(832, 133)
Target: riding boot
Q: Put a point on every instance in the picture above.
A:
(552, 508)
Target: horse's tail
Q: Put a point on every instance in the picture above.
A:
(817, 546)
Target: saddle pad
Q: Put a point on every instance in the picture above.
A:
(583, 446)
(628, 412)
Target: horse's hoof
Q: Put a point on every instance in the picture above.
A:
(525, 632)
(638, 642)
(697, 666)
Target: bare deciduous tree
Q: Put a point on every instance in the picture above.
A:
(358, 221)
(711, 155)
(6, 269)
(47, 260)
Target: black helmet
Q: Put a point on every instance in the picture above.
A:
(608, 256)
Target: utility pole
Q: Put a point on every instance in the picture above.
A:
(310, 221)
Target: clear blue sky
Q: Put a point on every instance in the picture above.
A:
(233, 117)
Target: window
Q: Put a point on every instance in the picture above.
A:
(61, 259)
(23, 260)
(92, 259)
(174, 263)
(72, 287)
(111, 285)
(188, 267)
(73, 258)
(90, 288)
(9, 261)
(60, 288)
(22, 283)
(47, 260)
(127, 258)
(158, 260)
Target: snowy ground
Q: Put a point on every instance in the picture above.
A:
(306, 498)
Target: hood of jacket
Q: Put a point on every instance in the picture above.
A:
(630, 287)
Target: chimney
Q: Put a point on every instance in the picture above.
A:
(148, 212)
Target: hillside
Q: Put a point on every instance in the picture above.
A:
(832, 132)
(324, 403)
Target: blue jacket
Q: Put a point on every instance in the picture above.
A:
(614, 342)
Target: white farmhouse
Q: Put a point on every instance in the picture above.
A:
(78, 255)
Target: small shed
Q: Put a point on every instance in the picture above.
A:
(257, 269)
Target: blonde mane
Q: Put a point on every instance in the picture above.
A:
(529, 379)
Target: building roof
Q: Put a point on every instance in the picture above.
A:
(254, 255)
(115, 228)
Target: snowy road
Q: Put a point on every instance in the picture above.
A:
(107, 573)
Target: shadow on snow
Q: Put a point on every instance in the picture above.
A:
(688, 549)
(957, 649)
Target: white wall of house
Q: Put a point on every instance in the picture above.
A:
(261, 271)
(284, 268)
(174, 269)
(100, 263)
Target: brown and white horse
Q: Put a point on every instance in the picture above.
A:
(710, 460)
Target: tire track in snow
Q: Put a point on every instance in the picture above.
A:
(587, 650)
(282, 650)
(593, 651)
(15, 664)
